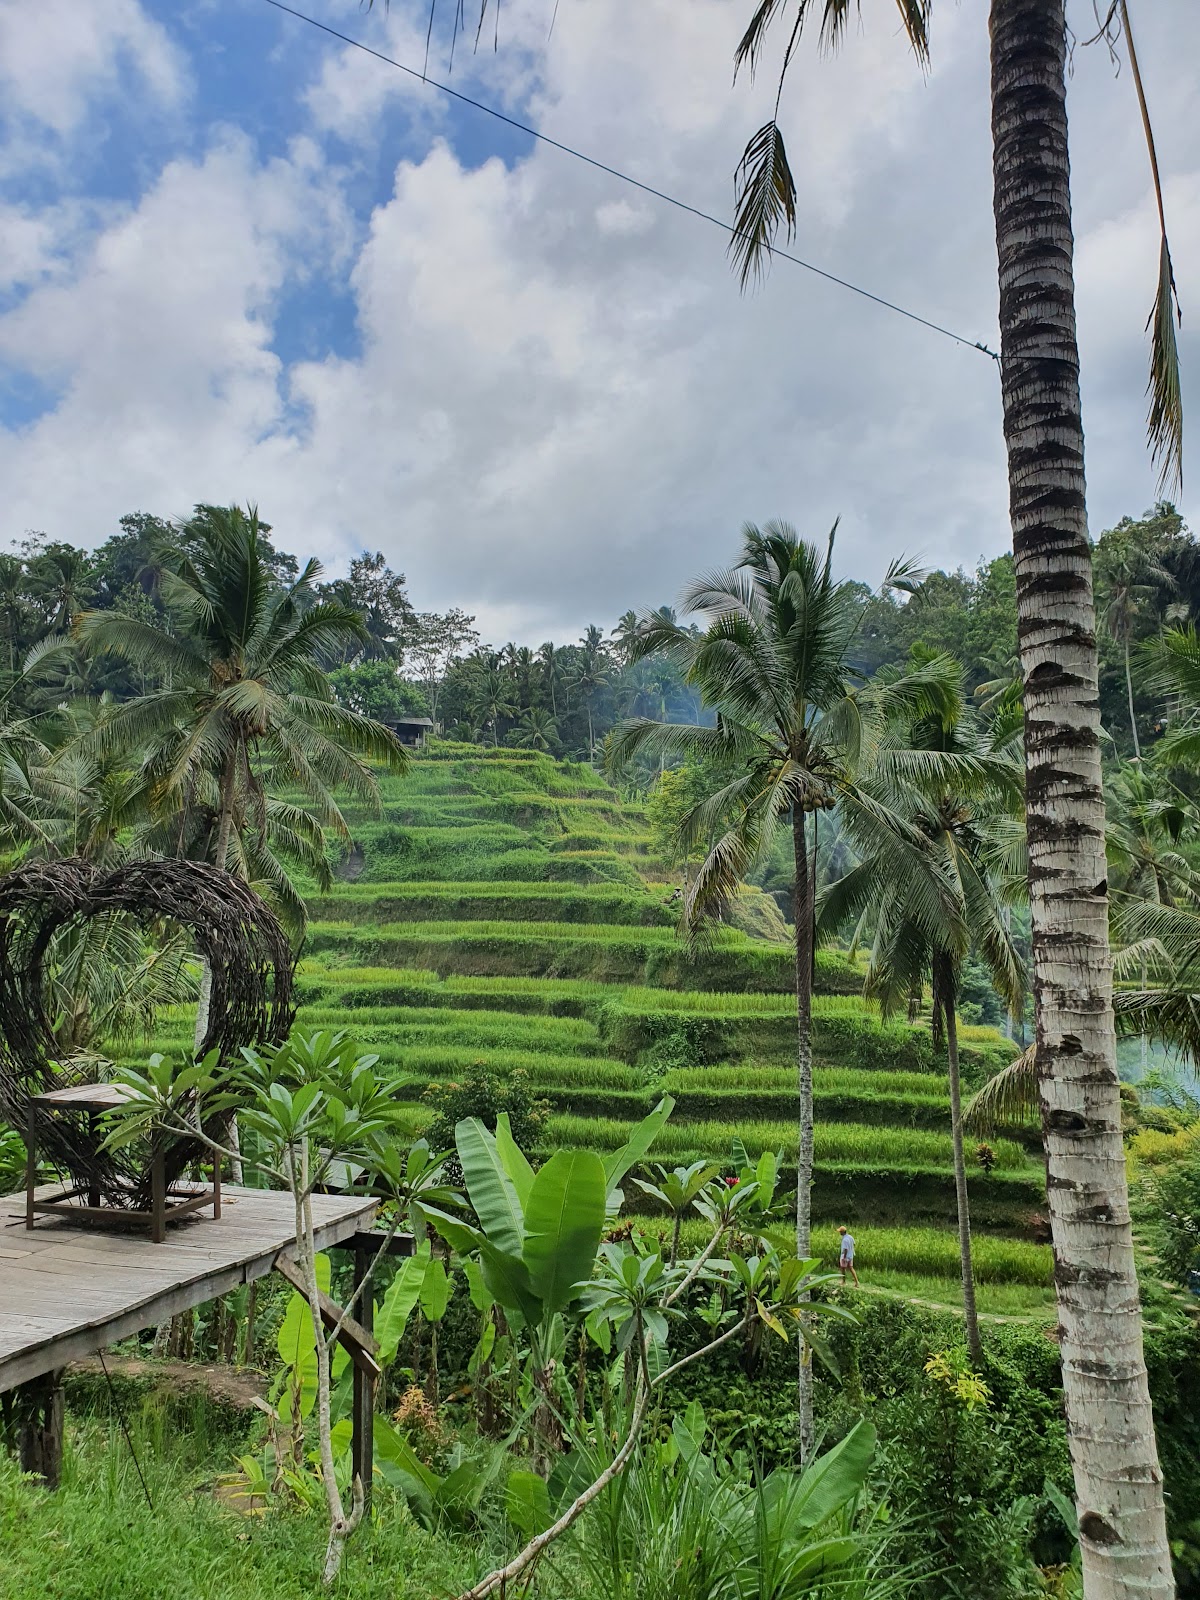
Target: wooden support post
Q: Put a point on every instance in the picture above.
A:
(362, 1445)
(39, 1427)
(93, 1198)
(158, 1192)
(30, 1160)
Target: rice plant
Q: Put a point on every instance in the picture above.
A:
(852, 1144)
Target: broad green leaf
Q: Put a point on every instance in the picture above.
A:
(402, 1295)
(490, 1187)
(834, 1478)
(515, 1164)
(399, 1466)
(462, 1489)
(297, 1344)
(392, 1446)
(811, 1561)
(527, 1503)
(563, 1223)
(481, 1297)
(435, 1291)
(639, 1142)
(459, 1235)
(295, 1335)
(507, 1280)
(599, 1330)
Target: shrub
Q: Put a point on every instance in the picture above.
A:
(484, 1094)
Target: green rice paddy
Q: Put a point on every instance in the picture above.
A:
(509, 909)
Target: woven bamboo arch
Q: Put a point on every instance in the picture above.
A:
(251, 1000)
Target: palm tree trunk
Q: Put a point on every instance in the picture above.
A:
(1118, 1481)
(225, 824)
(970, 1313)
(1137, 748)
(802, 908)
(204, 1004)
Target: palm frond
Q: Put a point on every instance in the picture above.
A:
(750, 45)
(764, 202)
(1164, 424)
(1009, 1098)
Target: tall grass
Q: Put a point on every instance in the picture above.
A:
(827, 1080)
(925, 1252)
(842, 1143)
(550, 902)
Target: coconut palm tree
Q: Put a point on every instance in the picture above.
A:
(550, 661)
(1129, 576)
(537, 729)
(1118, 1480)
(933, 818)
(242, 703)
(773, 663)
(591, 675)
(490, 692)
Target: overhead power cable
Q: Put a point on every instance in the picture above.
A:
(636, 183)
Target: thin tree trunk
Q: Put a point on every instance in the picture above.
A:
(960, 1179)
(1137, 748)
(1118, 1481)
(802, 907)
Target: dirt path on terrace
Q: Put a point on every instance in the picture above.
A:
(231, 1386)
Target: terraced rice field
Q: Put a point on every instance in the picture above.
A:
(510, 909)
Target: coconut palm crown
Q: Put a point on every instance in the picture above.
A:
(242, 700)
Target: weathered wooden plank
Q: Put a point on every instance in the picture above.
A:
(67, 1291)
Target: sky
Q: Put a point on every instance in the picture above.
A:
(243, 261)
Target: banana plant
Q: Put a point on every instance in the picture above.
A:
(537, 1235)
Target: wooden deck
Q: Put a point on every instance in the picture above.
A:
(67, 1291)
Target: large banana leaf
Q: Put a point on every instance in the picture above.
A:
(492, 1192)
(398, 1302)
(436, 1291)
(297, 1345)
(514, 1162)
(564, 1219)
(507, 1280)
(833, 1479)
(638, 1143)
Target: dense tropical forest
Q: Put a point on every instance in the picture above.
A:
(568, 947)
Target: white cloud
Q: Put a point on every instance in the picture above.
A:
(563, 406)
(55, 56)
(161, 343)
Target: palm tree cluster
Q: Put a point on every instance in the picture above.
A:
(563, 699)
(216, 736)
(900, 795)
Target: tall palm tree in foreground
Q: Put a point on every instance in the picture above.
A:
(1118, 1480)
(773, 663)
(933, 819)
(243, 705)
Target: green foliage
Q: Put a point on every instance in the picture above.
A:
(375, 689)
(483, 1096)
(189, 1543)
(686, 1519)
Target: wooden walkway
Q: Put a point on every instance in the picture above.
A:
(66, 1291)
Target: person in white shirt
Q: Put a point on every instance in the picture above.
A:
(846, 1257)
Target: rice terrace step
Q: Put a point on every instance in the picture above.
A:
(509, 908)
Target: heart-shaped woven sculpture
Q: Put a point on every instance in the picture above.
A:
(236, 934)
